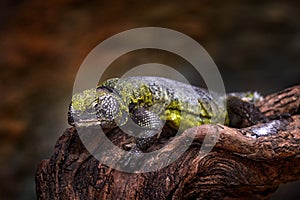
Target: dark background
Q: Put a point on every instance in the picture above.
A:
(255, 44)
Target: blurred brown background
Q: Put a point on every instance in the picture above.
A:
(255, 44)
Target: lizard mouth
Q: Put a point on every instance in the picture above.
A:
(88, 120)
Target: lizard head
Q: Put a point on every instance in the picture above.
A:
(97, 107)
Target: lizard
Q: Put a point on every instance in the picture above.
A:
(149, 102)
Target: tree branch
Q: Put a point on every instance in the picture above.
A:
(238, 167)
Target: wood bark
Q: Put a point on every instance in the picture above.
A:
(238, 167)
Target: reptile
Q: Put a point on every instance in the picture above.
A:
(149, 102)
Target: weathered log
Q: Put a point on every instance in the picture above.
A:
(238, 167)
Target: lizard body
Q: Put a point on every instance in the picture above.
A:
(149, 101)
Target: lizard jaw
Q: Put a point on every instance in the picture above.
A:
(94, 122)
(88, 122)
(83, 120)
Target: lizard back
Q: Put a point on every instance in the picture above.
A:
(179, 104)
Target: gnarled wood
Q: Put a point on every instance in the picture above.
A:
(237, 167)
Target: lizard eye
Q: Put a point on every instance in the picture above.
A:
(95, 104)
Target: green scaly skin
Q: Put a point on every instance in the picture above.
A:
(149, 101)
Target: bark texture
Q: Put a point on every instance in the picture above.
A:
(238, 167)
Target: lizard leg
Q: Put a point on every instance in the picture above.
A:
(149, 128)
(151, 125)
(242, 113)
